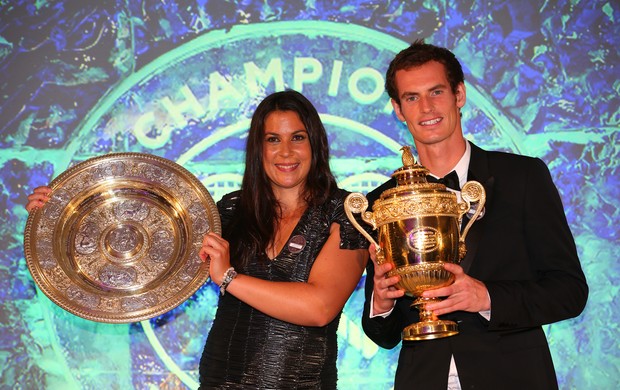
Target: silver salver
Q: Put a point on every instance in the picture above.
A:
(118, 241)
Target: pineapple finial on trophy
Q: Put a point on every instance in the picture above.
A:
(408, 159)
(411, 172)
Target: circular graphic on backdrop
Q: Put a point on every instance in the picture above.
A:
(193, 104)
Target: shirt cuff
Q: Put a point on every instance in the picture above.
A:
(486, 313)
(383, 315)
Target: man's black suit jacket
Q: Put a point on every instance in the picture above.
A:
(524, 252)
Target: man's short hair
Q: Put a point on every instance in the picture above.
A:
(417, 54)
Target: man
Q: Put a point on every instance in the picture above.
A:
(521, 270)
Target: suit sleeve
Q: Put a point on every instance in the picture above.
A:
(557, 289)
(385, 332)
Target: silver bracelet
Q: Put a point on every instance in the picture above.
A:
(229, 275)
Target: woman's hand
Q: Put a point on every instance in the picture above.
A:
(38, 198)
(215, 250)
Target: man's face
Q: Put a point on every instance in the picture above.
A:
(428, 105)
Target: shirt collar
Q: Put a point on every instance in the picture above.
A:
(462, 166)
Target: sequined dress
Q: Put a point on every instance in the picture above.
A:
(247, 349)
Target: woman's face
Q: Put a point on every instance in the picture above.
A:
(287, 154)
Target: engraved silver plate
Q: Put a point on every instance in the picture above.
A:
(118, 241)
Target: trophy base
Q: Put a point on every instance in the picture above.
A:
(428, 330)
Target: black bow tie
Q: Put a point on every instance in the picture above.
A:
(451, 180)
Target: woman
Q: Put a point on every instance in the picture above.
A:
(293, 260)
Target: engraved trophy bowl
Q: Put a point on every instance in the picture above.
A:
(119, 238)
(418, 227)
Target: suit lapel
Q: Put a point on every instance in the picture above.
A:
(478, 171)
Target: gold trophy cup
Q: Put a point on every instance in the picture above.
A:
(418, 230)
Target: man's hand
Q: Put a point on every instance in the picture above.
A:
(466, 294)
(384, 289)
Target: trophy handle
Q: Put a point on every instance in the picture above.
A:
(472, 192)
(357, 203)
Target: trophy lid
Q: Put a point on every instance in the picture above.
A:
(411, 179)
(411, 172)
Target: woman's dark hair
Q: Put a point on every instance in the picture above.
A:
(253, 226)
(419, 53)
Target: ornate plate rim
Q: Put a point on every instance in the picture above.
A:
(144, 313)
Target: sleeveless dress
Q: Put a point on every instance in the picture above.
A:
(247, 349)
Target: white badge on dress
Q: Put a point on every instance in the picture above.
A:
(296, 244)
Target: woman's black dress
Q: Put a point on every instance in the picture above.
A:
(248, 349)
